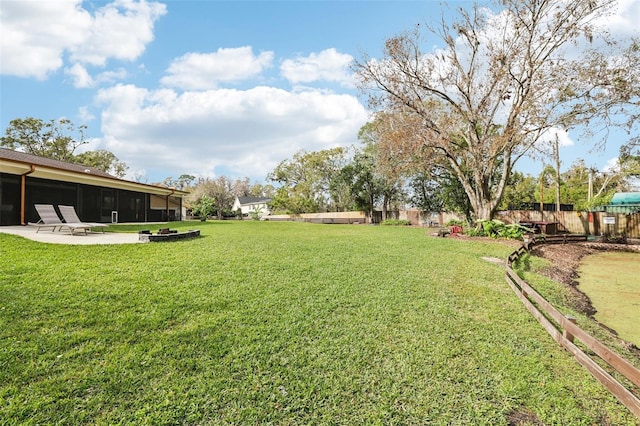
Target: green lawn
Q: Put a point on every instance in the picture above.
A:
(280, 323)
(611, 282)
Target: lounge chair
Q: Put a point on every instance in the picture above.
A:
(49, 219)
(70, 216)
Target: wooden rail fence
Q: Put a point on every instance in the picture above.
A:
(564, 331)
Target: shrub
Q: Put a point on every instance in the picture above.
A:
(515, 231)
(395, 222)
(498, 229)
(475, 232)
(256, 214)
(204, 207)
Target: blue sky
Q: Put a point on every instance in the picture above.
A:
(209, 87)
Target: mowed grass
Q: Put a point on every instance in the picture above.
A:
(612, 282)
(280, 323)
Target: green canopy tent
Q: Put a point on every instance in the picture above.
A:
(624, 202)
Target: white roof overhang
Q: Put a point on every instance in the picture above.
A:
(45, 172)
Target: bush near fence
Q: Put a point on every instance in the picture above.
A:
(588, 223)
(572, 222)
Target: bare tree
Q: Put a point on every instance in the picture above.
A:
(241, 187)
(388, 168)
(220, 190)
(499, 85)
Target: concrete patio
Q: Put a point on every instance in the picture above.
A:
(64, 237)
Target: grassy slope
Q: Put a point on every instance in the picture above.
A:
(611, 282)
(279, 323)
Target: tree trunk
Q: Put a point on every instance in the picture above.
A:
(480, 196)
(371, 207)
(483, 209)
(385, 210)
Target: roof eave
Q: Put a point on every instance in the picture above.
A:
(46, 172)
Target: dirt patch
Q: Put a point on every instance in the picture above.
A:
(495, 260)
(565, 260)
(523, 417)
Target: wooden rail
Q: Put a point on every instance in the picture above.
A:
(564, 330)
(558, 239)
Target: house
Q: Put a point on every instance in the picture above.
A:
(27, 179)
(249, 205)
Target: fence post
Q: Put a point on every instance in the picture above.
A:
(565, 333)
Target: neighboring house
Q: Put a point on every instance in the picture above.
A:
(27, 179)
(252, 204)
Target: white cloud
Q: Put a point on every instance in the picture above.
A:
(203, 71)
(548, 138)
(612, 166)
(328, 65)
(624, 19)
(82, 79)
(119, 30)
(37, 34)
(244, 133)
(79, 75)
(85, 114)
(111, 76)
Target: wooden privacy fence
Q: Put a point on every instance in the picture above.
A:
(564, 330)
(589, 223)
(329, 217)
(573, 222)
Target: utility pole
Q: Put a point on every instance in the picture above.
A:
(541, 191)
(556, 154)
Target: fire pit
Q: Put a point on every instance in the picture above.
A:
(166, 234)
(166, 231)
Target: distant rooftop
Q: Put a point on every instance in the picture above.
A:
(253, 200)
